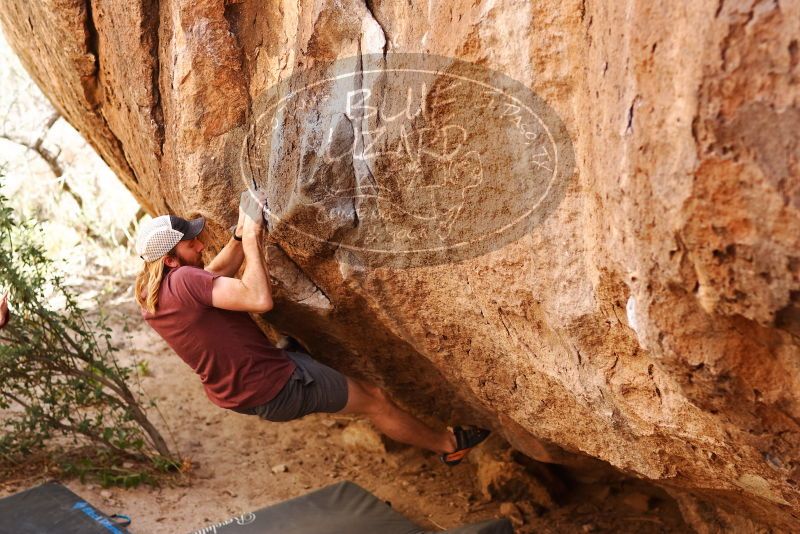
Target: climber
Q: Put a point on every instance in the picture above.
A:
(202, 312)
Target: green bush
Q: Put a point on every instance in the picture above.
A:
(58, 373)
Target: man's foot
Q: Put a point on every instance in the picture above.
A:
(467, 437)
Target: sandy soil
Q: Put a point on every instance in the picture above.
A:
(240, 463)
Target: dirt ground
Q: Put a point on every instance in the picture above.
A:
(240, 463)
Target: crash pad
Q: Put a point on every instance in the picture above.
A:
(341, 507)
(52, 509)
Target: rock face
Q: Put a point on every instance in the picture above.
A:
(650, 319)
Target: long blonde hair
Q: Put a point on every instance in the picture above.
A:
(148, 282)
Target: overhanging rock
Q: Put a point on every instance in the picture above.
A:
(647, 315)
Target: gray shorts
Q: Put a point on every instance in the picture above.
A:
(312, 387)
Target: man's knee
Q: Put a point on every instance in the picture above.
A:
(379, 396)
(371, 390)
(375, 399)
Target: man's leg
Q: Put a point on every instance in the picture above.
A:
(372, 401)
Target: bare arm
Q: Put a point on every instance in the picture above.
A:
(253, 293)
(230, 258)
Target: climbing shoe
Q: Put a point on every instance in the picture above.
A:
(467, 437)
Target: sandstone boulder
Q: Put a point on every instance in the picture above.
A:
(647, 314)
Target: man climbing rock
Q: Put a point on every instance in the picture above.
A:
(203, 314)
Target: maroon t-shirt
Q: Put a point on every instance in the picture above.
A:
(237, 364)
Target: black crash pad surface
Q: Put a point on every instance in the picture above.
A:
(52, 509)
(343, 507)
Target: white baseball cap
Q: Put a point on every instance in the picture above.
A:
(158, 236)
